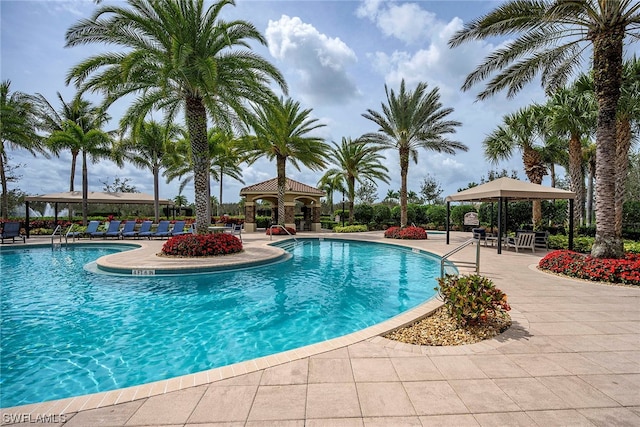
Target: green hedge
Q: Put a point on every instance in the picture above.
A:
(350, 229)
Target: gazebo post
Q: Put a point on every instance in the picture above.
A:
(55, 215)
(446, 223)
(571, 201)
(500, 225)
(27, 219)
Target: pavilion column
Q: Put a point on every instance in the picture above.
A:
(316, 225)
(289, 214)
(250, 217)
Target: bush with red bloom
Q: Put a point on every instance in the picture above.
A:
(278, 231)
(201, 245)
(407, 233)
(625, 270)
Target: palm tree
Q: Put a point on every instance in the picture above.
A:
(519, 132)
(412, 120)
(572, 113)
(17, 131)
(177, 55)
(391, 197)
(331, 184)
(356, 161)
(279, 132)
(555, 33)
(146, 147)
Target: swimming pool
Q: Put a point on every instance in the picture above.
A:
(67, 331)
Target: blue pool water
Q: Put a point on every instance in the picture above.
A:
(66, 331)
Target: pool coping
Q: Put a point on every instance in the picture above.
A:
(375, 333)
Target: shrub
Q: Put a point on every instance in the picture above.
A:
(471, 298)
(392, 232)
(350, 229)
(278, 231)
(363, 213)
(199, 245)
(625, 270)
(580, 244)
(437, 214)
(381, 214)
(633, 247)
(408, 233)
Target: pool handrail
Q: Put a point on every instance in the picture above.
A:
(459, 248)
(285, 230)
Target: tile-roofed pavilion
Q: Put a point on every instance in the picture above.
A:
(294, 192)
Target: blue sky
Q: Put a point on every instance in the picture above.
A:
(336, 56)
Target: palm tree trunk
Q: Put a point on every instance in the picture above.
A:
(623, 144)
(85, 189)
(607, 70)
(72, 178)
(196, 116)
(352, 195)
(592, 174)
(156, 193)
(4, 210)
(576, 176)
(282, 184)
(535, 171)
(220, 198)
(404, 169)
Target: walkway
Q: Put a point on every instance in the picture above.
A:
(572, 357)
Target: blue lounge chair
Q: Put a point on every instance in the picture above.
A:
(112, 231)
(11, 230)
(145, 229)
(129, 230)
(178, 228)
(162, 230)
(91, 228)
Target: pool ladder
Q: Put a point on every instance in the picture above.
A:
(58, 232)
(445, 257)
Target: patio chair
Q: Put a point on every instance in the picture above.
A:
(145, 230)
(112, 231)
(542, 239)
(162, 230)
(129, 229)
(236, 230)
(524, 240)
(178, 228)
(11, 230)
(480, 234)
(92, 227)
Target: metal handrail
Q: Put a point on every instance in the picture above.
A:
(285, 230)
(459, 248)
(66, 235)
(55, 231)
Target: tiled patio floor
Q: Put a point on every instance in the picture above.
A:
(572, 357)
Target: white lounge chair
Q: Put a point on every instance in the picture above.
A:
(522, 241)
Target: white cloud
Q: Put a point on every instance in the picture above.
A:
(320, 62)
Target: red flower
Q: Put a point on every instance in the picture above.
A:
(573, 264)
(197, 245)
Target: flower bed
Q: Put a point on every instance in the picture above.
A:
(407, 233)
(200, 245)
(573, 264)
(278, 231)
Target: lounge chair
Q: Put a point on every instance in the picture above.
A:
(145, 229)
(178, 228)
(11, 230)
(112, 231)
(525, 240)
(162, 230)
(92, 227)
(236, 230)
(129, 230)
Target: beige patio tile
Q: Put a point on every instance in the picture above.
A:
(367, 349)
(457, 367)
(533, 344)
(171, 408)
(107, 416)
(384, 400)
(560, 417)
(295, 372)
(498, 366)
(416, 369)
(392, 422)
(283, 402)
(434, 397)
(577, 364)
(483, 395)
(322, 370)
(340, 353)
(616, 362)
(606, 417)
(529, 394)
(246, 379)
(576, 392)
(501, 419)
(334, 422)
(273, 423)
(224, 403)
(466, 420)
(538, 365)
(624, 389)
(373, 370)
(332, 400)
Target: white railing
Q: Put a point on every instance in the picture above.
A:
(459, 248)
(285, 230)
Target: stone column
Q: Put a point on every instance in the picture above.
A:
(315, 217)
(289, 214)
(250, 217)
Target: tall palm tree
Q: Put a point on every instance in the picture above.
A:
(280, 132)
(412, 120)
(356, 161)
(331, 184)
(571, 112)
(93, 143)
(554, 34)
(391, 197)
(177, 55)
(146, 147)
(17, 131)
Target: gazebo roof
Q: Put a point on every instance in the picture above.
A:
(509, 188)
(98, 197)
(271, 187)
